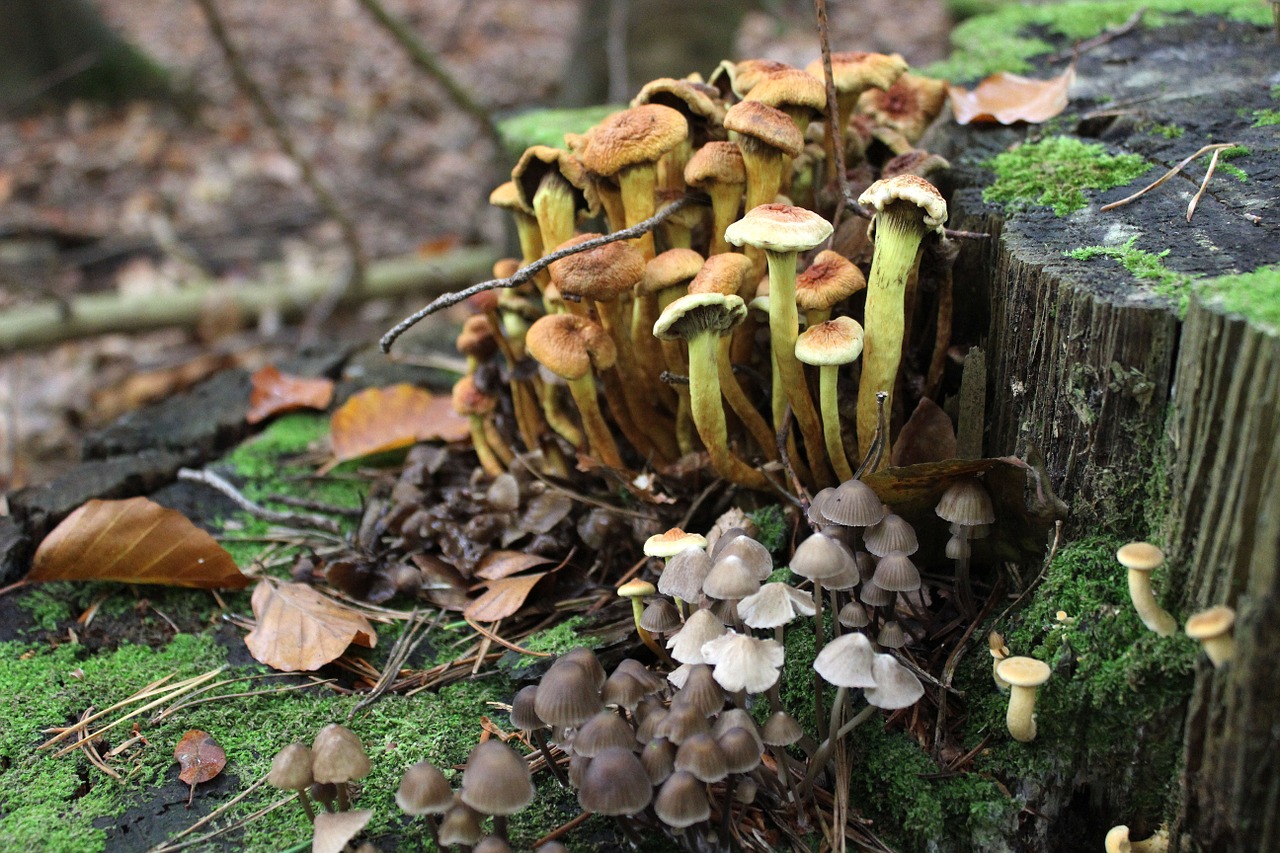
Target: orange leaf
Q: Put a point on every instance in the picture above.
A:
(1007, 98)
(300, 629)
(199, 756)
(275, 393)
(501, 564)
(134, 541)
(503, 598)
(381, 419)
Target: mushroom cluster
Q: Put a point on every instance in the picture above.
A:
(326, 770)
(643, 351)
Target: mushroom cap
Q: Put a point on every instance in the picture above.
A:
(854, 504)
(1023, 671)
(746, 549)
(747, 73)
(660, 617)
(1205, 625)
(911, 189)
(615, 783)
(699, 313)
(497, 780)
(762, 124)
(830, 343)
(701, 755)
(891, 635)
(633, 137)
(966, 502)
(744, 663)
(507, 197)
(906, 107)
(896, 573)
(715, 163)
(914, 162)
(857, 71)
(672, 542)
(603, 273)
(1140, 556)
(779, 228)
(895, 686)
(584, 657)
(727, 273)
(682, 800)
(636, 589)
(790, 87)
(568, 345)
(291, 768)
(476, 338)
(781, 729)
(622, 690)
(523, 716)
(490, 844)
(684, 573)
(669, 269)
(567, 695)
(775, 604)
(460, 825)
(467, 399)
(701, 690)
(337, 755)
(820, 557)
(873, 596)
(891, 533)
(424, 790)
(603, 730)
(700, 628)
(658, 757)
(846, 661)
(830, 278)
(854, 615)
(730, 578)
(696, 102)
(683, 720)
(537, 161)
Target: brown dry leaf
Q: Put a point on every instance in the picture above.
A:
(927, 436)
(381, 419)
(134, 541)
(501, 564)
(300, 629)
(275, 393)
(442, 584)
(200, 758)
(334, 830)
(503, 598)
(1007, 98)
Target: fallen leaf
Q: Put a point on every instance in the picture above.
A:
(1007, 98)
(503, 598)
(333, 830)
(442, 584)
(927, 436)
(380, 419)
(200, 758)
(275, 393)
(134, 541)
(300, 629)
(501, 564)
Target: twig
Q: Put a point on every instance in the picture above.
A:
(834, 118)
(280, 130)
(425, 60)
(527, 273)
(1213, 164)
(1167, 175)
(328, 525)
(404, 646)
(1048, 561)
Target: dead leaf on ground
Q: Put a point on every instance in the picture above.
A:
(134, 541)
(927, 436)
(381, 419)
(442, 584)
(275, 393)
(1008, 98)
(501, 564)
(300, 629)
(504, 597)
(200, 758)
(333, 830)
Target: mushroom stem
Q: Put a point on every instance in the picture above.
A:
(557, 419)
(305, 802)
(708, 413)
(484, 452)
(1155, 617)
(829, 401)
(737, 400)
(554, 209)
(556, 770)
(784, 326)
(639, 183)
(500, 826)
(819, 759)
(343, 797)
(1021, 714)
(819, 720)
(599, 439)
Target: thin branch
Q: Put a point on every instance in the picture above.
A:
(1218, 146)
(834, 118)
(215, 481)
(1195, 200)
(425, 60)
(276, 124)
(527, 273)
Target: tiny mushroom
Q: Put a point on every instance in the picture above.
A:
(338, 757)
(1024, 675)
(1141, 559)
(1212, 628)
(496, 782)
(637, 590)
(291, 771)
(424, 791)
(828, 345)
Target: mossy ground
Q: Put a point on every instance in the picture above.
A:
(1254, 295)
(1056, 171)
(1146, 267)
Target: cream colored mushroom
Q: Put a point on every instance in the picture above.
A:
(1117, 841)
(1024, 675)
(1142, 558)
(1212, 628)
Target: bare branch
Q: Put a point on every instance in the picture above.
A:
(834, 118)
(214, 481)
(527, 273)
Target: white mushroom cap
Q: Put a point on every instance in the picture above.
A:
(908, 188)
(774, 605)
(779, 228)
(744, 663)
(896, 687)
(846, 661)
(686, 644)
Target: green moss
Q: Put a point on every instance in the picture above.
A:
(1266, 118)
(548, 127)
(1111, 677)
(1143, 265)
(1006, 39)
(555, 640)
(1168, 131)
(1255, 296)
(771, 521)
(1056, 171)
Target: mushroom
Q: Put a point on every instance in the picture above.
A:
(907, 209)
(829, 345)
(686, 644)
(682, 801)
(853, 73)
(291, 771)
(717, 168)
(525, 717)
(826, 282)
(337, 757)
(1141, 559)
(700, 319)
(1117, 841)
(496, 782)
(702, 110)
(636, 590)
(744, 663)
(507, 197)
(473, 404)
(570, 346)
(553, 184)
(1023, 675)
(967, 505)
(769, 141)
(797, 93)
(906, 108)
(999, 651)
(782, 231)
(1212, 628)
(424, 791)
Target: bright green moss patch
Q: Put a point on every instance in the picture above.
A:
(1255, 296)
(1055, 172)
(1266, 118)
(1006, 39)
(771, 522)
(1147, 266)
